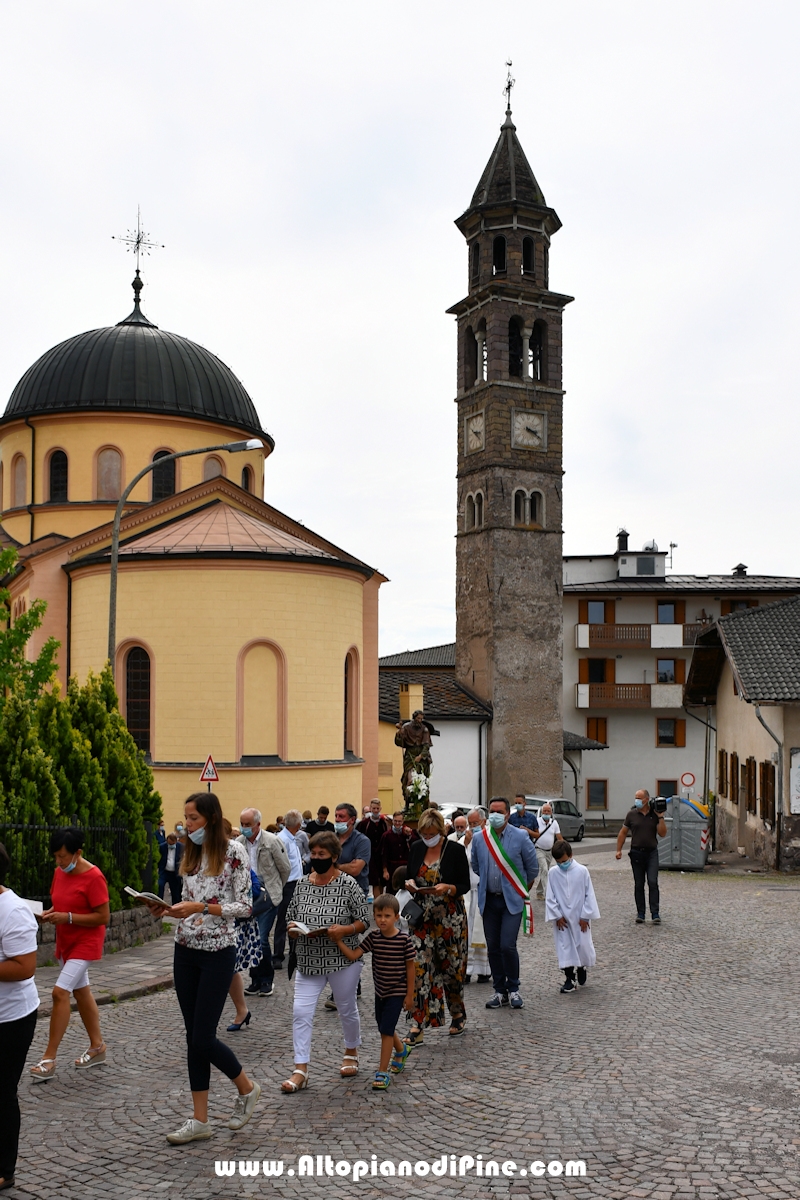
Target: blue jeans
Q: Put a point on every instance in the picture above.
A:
(265, 913)
(501, 928)
(645, 867)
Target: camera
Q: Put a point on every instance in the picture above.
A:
(660, 805)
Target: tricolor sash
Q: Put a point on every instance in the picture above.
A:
(508, 870)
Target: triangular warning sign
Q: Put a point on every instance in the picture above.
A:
(209, 773)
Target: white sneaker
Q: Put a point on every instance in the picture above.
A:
(243, 1108)
(190, 1131)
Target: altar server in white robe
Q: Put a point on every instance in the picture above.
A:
(477, 954)
(571, 907)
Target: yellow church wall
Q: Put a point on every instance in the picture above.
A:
(273, 789)
(390, 756)
(195, 619)
(81, 436)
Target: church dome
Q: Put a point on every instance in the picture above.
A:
(134, 367)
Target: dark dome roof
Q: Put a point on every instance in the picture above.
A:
(134, 367)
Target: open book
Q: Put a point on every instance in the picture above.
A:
(146, 897)
(306, 929)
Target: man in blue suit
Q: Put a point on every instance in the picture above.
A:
(506, 872)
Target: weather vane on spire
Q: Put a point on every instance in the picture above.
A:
(510, 81)
(138, 241)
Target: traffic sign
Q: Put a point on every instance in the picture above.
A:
(209, 773)
(687, 778)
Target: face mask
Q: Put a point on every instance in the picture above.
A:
(374, 816)
(248, 833)
(397, 828)
(565, 866)
(432, 841)
(547, 816)
(340, 826)
(179, 829)
(70, 867)
(198, 836)
(638, 803)
(322, 865)
(497, 820)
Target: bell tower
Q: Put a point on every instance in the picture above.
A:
(509, 635)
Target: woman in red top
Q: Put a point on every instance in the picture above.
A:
(80, 913)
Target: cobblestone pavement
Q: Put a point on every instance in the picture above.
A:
(673, 1075)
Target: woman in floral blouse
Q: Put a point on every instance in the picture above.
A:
(216, 890)
(330, 904)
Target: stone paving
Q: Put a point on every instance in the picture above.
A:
(673, 1075)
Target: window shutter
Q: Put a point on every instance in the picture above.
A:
(602, 729)
(680, 732)
(583, 612)
(611, 670)
(583, 670)
(722, 763)
(680, 670)
(610, 614)
(725, 608)
(680, 612)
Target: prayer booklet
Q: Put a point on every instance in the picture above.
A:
(146, 897)
(36, 906)
(306, 929)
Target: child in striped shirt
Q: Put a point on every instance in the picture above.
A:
(393, 967)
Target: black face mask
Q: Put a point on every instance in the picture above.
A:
(322, 865)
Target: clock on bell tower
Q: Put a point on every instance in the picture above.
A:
(509, 637)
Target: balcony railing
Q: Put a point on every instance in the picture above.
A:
(690, 633)
(620, 635)
(635, 637)
(612, 695)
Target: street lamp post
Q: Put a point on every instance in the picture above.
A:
(231, 447)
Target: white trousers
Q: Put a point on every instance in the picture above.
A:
(74, 974)
(545, 858)
(307, 991)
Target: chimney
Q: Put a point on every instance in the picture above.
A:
(739, 571)
(622, 541)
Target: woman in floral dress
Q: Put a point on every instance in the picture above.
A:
(441, 937)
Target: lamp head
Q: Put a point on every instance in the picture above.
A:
(249, 444)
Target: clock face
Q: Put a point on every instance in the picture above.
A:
(474, 431)
(528, 430)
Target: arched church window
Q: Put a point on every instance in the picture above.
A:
(483, 353)
(109, 474)
(58, 477)
(520, 507)
(475, 260)
(499, 256)
(469, 513)
(546, 266)
(212, 467)
(19, 481)
(351, 714)
(536, 504)
(515, 347)
(163, 477)
(528, 258)
(137, 696)
(247, 479)
(479, 510)
(539, 351)
(470, 358)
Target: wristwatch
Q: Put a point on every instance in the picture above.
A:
(205, 910)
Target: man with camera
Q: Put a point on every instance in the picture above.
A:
(646, 825)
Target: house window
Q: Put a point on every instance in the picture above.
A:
(667, 787)
(597, 670)
(665, 612)
(646, 565)
(163, 477)
(499, 256)
(137, 697)
(247, 478)
(596, 793)
(665, 670)
(528, 258)
(597, 729)
(109, 474)
(670, 732)
(596, 612)
(58, 477)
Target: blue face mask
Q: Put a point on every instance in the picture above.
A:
(497, 820)
(565, 866)
(198, 836)
(248, 832)
(340, 826)
(638, 803)
(70, 867)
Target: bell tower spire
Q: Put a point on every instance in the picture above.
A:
(509, 639)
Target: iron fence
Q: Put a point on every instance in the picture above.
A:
(28, 848)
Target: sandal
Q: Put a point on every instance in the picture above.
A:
(349, 1072)
(95, 1056)
(289, 1086)
(414, 1038)
(381, 1081)
(45, 1069)
(398, 1062)
(457, 1026)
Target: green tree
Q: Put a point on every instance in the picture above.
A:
(15, 668)
(30, 793)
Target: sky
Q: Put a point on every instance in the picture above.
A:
(303, 166)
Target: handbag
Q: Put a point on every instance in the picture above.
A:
(413, 913)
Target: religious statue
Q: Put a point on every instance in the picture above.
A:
(415, 738)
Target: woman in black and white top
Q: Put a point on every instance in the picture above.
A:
(331, 902)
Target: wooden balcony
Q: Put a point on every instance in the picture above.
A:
(612, 695)
(635, 637)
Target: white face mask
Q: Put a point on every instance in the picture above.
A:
(430, 842)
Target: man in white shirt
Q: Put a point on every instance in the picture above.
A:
(544, 839)
(460, 827)
(292, 823)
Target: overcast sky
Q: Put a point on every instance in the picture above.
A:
(303, 165)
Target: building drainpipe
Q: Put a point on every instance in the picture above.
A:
(779, 789)
(33, 476)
